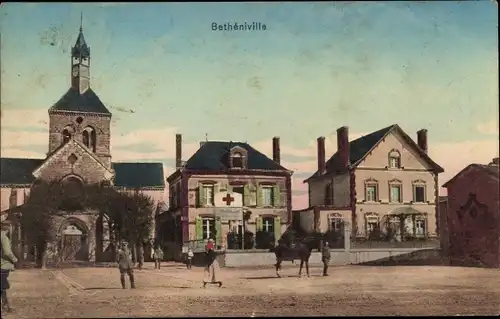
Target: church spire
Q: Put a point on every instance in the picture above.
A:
(80, 49)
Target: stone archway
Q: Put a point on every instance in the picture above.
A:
(74, 240)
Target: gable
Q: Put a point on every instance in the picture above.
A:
(378, 157)
(213, 157)
(73, 159)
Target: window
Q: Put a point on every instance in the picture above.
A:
(207, 192)
(372, 224)
(89, 138)
(208, 228)
(420, 229)
(268, 224)
(267, 196)
(329, 194)
(66, 136)
(395, 193)
(419, 193)
(240, 190)
(237, 160)
(394, 159)
(334, 223)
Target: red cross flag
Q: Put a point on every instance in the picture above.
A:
(228, 199)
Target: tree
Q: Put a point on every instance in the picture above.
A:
(36, 216)
(130, 216)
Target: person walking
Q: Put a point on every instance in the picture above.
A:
(8, 260)
(125, 264)
(325, 257)
(211, 265)
(190, 256)
(158, 254)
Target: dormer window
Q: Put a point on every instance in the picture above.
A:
(238, 158)
(394, 159)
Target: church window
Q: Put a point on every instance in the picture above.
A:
(66, 136)
(89, 138)
(79, 120)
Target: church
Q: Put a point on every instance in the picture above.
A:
(79, 152)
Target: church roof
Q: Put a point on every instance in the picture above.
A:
(213, 156)
(360, 147)
(139, 175)
(87, 102)
(19, 171)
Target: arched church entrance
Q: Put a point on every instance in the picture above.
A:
(74, 245)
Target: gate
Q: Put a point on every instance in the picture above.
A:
(71, 243)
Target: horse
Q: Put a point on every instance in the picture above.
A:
(301, 251)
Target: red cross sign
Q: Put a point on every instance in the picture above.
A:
(228, 199)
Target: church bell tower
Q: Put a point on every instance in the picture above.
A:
(80, 63)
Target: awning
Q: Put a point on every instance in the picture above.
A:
(407, 210)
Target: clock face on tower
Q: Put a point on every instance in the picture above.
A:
(75, 71)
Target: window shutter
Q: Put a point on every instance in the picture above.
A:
(276, 196)
(246, 195)
(426, 230)
(199, 228)
(260, 196)
(258, 223)
(201, 195)
(277, 228)
(218, 231)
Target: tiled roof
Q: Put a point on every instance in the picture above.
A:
(357, 149)
(360, 147)
(18, 171)
(491, 170)
(88, 102)
(213, 156)
(139, 175)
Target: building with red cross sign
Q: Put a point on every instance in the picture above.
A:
(224, 190)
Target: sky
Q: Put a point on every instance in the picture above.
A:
(161, 70)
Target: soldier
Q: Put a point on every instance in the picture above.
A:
(158, 255)
(212, 266)
(7, 264)
(325, 257)
(125, 264)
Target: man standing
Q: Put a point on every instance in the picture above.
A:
(325, 257)
(212, 266)
(125, 264)
(7, 264)
(158, 255)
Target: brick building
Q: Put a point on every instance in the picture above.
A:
(472, 229)
(79, 153)
(371, 180)
(210, 192)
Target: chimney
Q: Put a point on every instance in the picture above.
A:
(178, 151)
(276, 149)
(422, 140)
(321, 155)
(343, 146)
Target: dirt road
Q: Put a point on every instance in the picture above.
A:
(175, 291)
